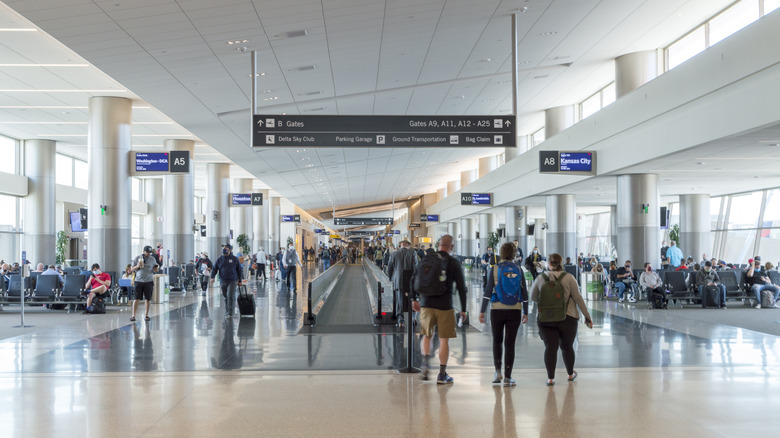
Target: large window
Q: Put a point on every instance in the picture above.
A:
(732, 20)
(8, 152)
(64, 169)
(537, 137)
(81, 174)
(686, 47)
(8, 214)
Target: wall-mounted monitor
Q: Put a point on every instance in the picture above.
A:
(75, 222)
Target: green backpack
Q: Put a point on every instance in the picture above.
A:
(552, 304)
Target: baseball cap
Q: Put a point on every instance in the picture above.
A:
(205, 254)
(227, 245)
(757, 259)
(148, 248)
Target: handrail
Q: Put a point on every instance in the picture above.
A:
(318, 290)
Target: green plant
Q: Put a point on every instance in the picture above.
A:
(290, 241)
(674, 233)
(493, 240)
(243, 243)
(61, 245)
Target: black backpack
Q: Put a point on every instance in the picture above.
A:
(431, 276)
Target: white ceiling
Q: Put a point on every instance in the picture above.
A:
(369, 57)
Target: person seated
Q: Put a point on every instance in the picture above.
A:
(682, 267)
(40, 268)
(128, 275)
(51, 271)
(769, 267)
(708, 277)
(97, 284)
(759, 281)
(625, 276)
(651, 281)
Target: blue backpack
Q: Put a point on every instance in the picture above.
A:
(507, 278)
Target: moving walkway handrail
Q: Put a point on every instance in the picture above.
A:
(317, 289)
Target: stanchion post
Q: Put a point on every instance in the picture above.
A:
(379, 300)
(407, 304)
(310, 318)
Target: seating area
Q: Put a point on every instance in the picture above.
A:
(49, 290)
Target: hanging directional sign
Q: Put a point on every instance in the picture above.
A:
(363, 221)
(414, 225)
(476, 199)
(291, 218)
(567, 162)
(295, 130)
(429, 218)
(257, 199)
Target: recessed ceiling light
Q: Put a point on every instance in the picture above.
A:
(237, 42)
(257, 74)
(549, 33)
(304, 68)
(541, 76)
(44, 65)
(9, 29)
(63, 91)
(701, 163)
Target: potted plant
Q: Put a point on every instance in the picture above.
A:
(60, 246)
(493, 240)
(243, 244)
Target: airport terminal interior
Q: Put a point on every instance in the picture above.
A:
(338, 131)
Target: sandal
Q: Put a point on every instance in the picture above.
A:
(132, 319)
(146, 318)
(572, 377)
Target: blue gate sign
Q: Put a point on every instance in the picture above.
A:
(241, 199)
(151, 162)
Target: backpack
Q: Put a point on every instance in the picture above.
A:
(289, 259)
(430, 278)
(506, 277)
(767, 299)
(552, 304)
(98, 306)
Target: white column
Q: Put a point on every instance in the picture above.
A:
(40, 231)
(467, 177)
(218, 214)
(633, 70)
(153, 196)
(179, 206)
(487, 165)
(557, 119)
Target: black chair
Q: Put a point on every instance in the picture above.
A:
(73, 290)
(46, 288)
(174, 278)
(33, 279)
(71, 270)
(728, 278)
(774, 276)
(190, 277)
(572, 269)
(675, 284)
(14, 292)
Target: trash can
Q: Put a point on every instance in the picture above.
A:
(161, 292)
(591, 286)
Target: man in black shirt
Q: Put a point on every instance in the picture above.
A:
(437, 311)
(759, 281)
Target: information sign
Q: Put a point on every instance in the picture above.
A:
(363, 221)
(567, 162)
(151, 161)
(295, 130)
(241, 199)
(291, 218)
(476, 199)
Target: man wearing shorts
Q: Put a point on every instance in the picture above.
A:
(437, 312)
(97, 284)
(145, 267)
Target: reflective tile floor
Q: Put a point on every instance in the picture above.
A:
(190, 372)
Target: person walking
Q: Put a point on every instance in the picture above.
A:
(291, 263)
(261, 258)
(230, 276)
(507, 294)
(204, 270)
(144, 266)
(436, 311)
(405, 259)
(557, 292)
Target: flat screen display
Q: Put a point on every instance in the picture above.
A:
(241, 199)
(151, 161)
(75, 222)
(576, 162)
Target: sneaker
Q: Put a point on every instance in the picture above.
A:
(424, 368)
(444, 379)
(758, 306)
(510, 382)
(620, 300)
(497, 378)
(723, 306)
(632, 300)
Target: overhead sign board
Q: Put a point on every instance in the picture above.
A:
(363, 221)
(414, 225)
(476, 199)
(179, 161)
(241, 199)
(295, 130)
(257, 199)
(567, 162)
(429, 218)
(396, 231)
(151, 162)
(291, 218)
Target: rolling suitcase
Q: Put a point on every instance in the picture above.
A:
(246, 302)
(711, 297)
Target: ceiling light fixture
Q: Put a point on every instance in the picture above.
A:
(21, 29)
(549, 33)
(237, 42)
(44, 65)
(63, 91)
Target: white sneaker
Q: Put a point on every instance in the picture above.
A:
(620, 300)
(758, 306)
(632, 300)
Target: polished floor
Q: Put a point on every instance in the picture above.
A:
(191, 372)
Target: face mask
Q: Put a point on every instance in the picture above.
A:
(535, 251)
(96, 271)
(628, 266)
(225, 251)
(707, 269)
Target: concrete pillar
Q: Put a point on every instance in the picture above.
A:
(452, 187)
(613, 226)
(638, 228)
(510, 153)
(467, 177)
(695, 226)
(153, 196)
(469, 236)
(561, 212)
(260, 223)
(539, 236)
(40, 229)
(633, 70)
(557, 119)
(441, 194)
(523, 144)
(516, 228)
(218, 215)
(276, 218)
(108, 145)
(487, 165)
(179, 217)
(243, 215)
(484, 229)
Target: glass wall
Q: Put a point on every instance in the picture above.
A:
(8, 152)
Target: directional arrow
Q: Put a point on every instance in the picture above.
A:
(260, 122)
(508, 122)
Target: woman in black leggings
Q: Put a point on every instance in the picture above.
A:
(505, 315)
(560, 334)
